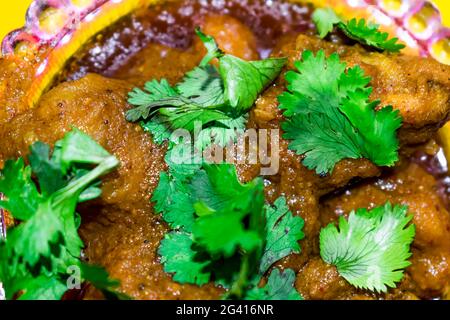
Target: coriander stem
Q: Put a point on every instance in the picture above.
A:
(236, 290)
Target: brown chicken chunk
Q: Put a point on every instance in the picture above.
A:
(119, 230)
(418, 87)
(302, 187)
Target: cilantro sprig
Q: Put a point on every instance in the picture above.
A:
(283, 231)
(220, 231)
(221, 228)
(280, 286)
(371, 248)
(359, 30)
(35, 257)
(331, 117)
(217, 97)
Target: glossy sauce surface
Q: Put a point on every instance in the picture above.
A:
(172, 24)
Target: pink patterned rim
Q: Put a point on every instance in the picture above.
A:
(418, 23)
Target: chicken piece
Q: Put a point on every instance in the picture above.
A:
(16, 74)
(119, 229)
(418, 87)
(320, 281)
(158, 62)
(429, 274)
(95, 105)
(126, 244)
(302, 187)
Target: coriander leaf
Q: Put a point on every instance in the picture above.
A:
(211, 46)
(180, 110)
(227, 232)
(47, 170)
(154, 91)
(162, 192)
(218, 186)
(216, 98)
(39, 288)
(365, 33)
(174, 202)
(377, 128)
(330, 118)
(18, 188)
(172, 196)
(36, 237)
(78, 147)
(183, 163)
(321, 141)
(38, 251)
(371, 249)
(151, 109)
(204, 86)
(369, 34)
(325, 19)
(158, 128)
(309, 93)
(244, 81)
(186, 116)
(221, 133)
(354, 79)
(179, 257)
(223, 230)
(283, 231)
(280, 286)
(100, 279)
(157, 94)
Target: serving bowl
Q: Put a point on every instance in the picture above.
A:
(56, 31)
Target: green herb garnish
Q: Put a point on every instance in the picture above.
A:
(330, 117)
(359, 30)
(325, 19)
(280, 286)
(35, 257)
(371, 249)
(221, 233)
(217, 97)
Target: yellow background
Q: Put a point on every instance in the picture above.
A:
(12, 14)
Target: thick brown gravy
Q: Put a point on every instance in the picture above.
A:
(172, 24)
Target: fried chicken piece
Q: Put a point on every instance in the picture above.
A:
(119, 229)
(302, 187)
(320, 281)
(418, 87)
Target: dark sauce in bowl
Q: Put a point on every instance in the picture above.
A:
(173, 23)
